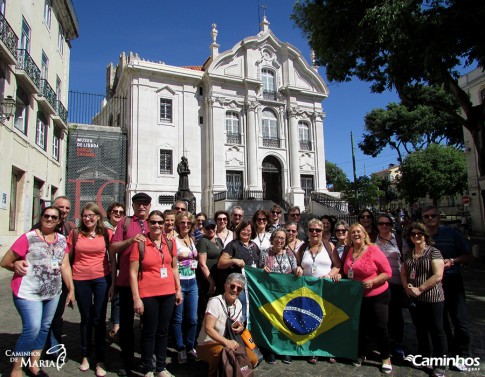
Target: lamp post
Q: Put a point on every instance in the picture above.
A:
(7, 106)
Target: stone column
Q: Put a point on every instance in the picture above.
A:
(252, 141)
(297, 196)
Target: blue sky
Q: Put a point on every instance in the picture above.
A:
(179, 34)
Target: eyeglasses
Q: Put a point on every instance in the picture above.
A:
(185, 223)
(275, 212)
(200, 220)
(180, 209)
(154, 222)
(222, 219)
(144, 204)
(384, 223)
(430, 216)
(117, 212)
(237, 215)
(294, 215)
(291, 231)
(340, 230)
(313, 230)
(262, 220)
(89, 216)
(236, 287)
(365, 217)
(280, 238)
(210, 227)
(416, 234)
(47, 217)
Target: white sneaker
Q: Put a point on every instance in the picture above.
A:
(460, 367)
(192, 354)
(165, 373)
(182, 357)
(149, 374)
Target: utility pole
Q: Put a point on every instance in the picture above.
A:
(355, 175)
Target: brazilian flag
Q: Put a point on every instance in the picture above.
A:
(304, 316)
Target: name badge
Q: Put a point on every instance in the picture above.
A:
(163, 273)
(314, 269)
(55, 264)
(193, 265)
(253, 265)
(412, 275)
(350, 274)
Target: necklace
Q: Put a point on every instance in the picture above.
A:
(354, 257)
(43, 236)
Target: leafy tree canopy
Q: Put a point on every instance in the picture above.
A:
(400, 44)
(415, 125)
(437, 171)
(336, 178)
(368, 193)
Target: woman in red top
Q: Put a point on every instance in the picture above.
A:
(155, 286)
(365, 262)
(92, 279)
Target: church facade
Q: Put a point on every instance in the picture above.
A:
(249, 121)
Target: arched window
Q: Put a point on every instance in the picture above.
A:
(270, 129)
(269, 87)
(304, 136)
(233, 133)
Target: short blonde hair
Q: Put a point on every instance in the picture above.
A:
(362, 229)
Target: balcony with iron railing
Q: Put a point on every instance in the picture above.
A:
(28, 71)
(47, 96)
(305, 145)
(233, 138)
(329, 201)
(238, 195)
(269, 94)
(61, 115)
(9, 39)
(271, 142)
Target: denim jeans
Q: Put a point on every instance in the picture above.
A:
(186, 313)
(36, 320)
(92, 300)
(55, 332)
(127, 334)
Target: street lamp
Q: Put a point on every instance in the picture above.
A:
(7, 106)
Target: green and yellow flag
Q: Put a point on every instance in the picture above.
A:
(304, 316)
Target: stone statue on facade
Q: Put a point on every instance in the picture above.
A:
(184, 192)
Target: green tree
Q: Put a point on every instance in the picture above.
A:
(368, 193)
(409, 127)
(436, 172)
(402, 45)
(336, 178)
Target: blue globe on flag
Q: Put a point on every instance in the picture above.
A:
(303, 315)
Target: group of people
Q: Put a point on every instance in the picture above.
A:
(182, 274)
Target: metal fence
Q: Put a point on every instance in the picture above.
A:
(91, 108)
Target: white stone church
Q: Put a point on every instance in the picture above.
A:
(249, 120)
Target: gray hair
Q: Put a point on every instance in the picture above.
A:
(237, 277)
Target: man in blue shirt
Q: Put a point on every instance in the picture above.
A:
(456, 251)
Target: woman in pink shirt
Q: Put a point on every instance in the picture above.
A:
(92, 279)
(365, 262)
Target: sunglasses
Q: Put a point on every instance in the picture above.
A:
(340, 230)
(144, 204)
(236, 215)
(431, 216)
(90, 216)
(416, 234)
(47, 217)
(275, 212)
(312, 230)
(222, 219)
(384, 223)
(185, 223)
(117, 212)
(236, 287)
(180, 209)
(294, 215)
(262, 219)
(210, 227)
(291, 231)
(365, 217)
(154, 222)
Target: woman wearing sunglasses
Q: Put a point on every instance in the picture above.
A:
(187, 313)
(211, 339)
(318, 258)
(341, 229)
(366, 219)
(155, 285)
(38, 259)
(261, 224)
(92, 279)
(391, 245)
(222, 231)
(421, 276)
(294, 243)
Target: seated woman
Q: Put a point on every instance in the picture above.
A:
(211, 339)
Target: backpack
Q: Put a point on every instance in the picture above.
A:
(75, 235)
(235, 363)
(141, 252)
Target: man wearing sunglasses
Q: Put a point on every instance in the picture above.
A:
(276, 218)
(294, 215)
(129, 230)
(456, 251)
(237, 214)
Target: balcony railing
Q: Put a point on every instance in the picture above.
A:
(329, 201)
(271, 142)
(49, 93)
(7, 35)
(233, 138)
(61, 111)
(239, 195)
(305, 145)
(269, 94)
(26, 63)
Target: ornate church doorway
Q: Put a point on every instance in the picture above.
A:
(272, 186)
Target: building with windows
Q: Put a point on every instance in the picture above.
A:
(249, 120)
(34, 76)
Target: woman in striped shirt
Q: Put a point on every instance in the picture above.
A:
(421, 276)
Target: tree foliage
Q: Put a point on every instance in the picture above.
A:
(408, 128)
(368, 193)
(437, 171)
(336, 178)
(401, 44)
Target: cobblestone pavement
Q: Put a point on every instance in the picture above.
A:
(10, 326)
